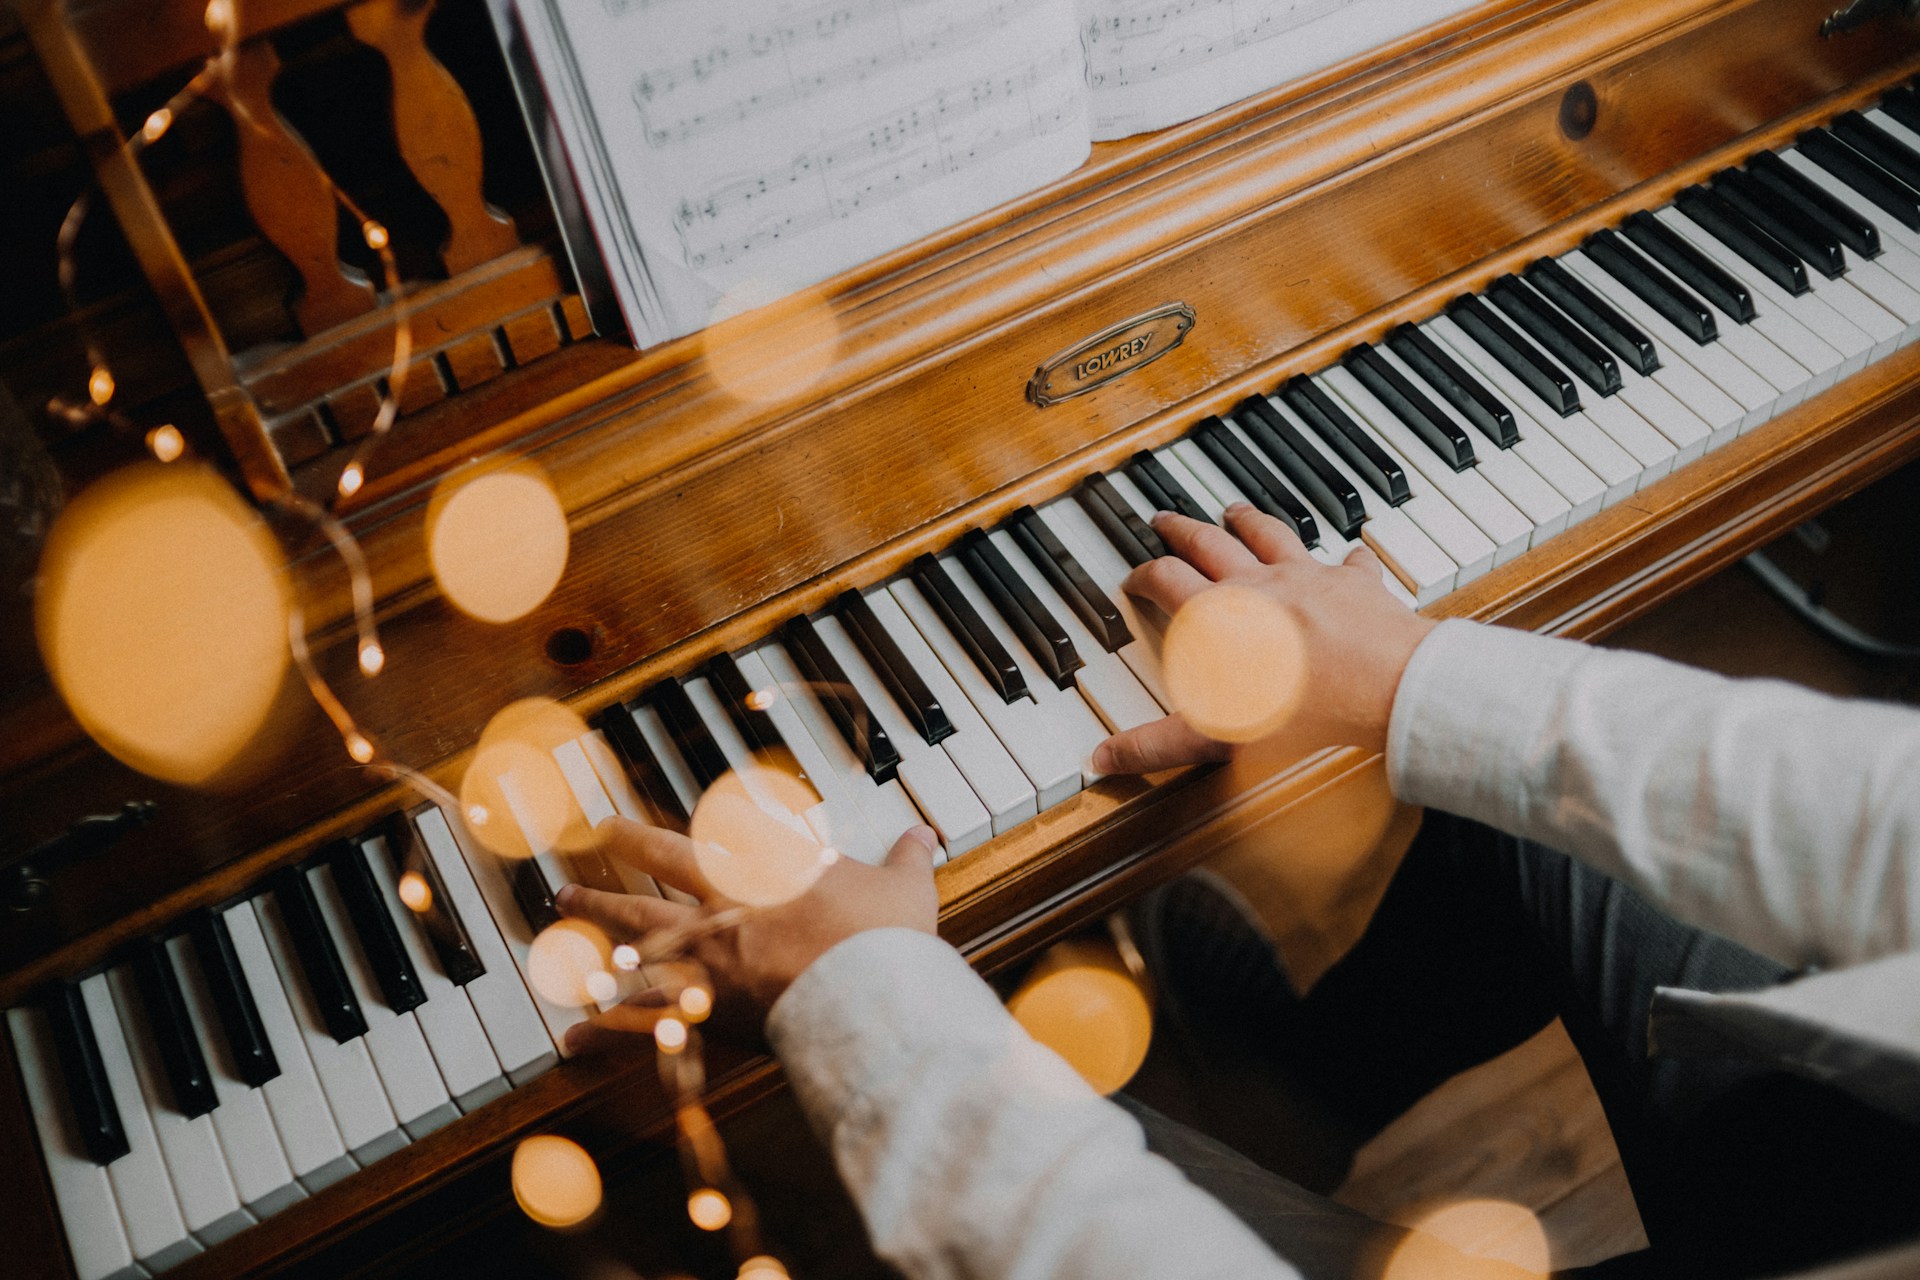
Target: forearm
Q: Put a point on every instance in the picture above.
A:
(1786, 820)
(970, 1149)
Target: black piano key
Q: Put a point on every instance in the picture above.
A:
(1879, 187)
(910, 692)
(1337, 429)
(995, 664)
(88, 1091)
(1411, 406)
(689, 734)
(762, 735)
(1595, 314)
(1037, 629)
(172, 1030)
(1331, 493)
(1520, 357)
(246, 1036)
(1738, 232)
(1855, 230)
(1096, 611)
(1534, 316)
(1816, 244)
(532, 894)
(1163, 491)
(1693, 268)
(376, 929)
(1121, 525)
(1469, 396)
(1879, 146)
(1653, 286)
(1262, 487)
(320, 964)
(847, 709)
(1903, 104)
(649, 781)
(446, 931)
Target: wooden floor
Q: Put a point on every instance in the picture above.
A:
(1526, 1128)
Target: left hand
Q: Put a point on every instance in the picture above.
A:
(762, 955)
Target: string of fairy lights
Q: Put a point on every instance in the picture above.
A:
(552, 1176)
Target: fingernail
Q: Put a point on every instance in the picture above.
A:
(574, 1038)
(1102, 759)
(565, 897)
(1239, 508)
(926, 835)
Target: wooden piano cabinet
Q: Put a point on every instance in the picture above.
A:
(1295, 224)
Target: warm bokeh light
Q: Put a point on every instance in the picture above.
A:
(563, 960)
(670, 1034)
(1473, 1240)
(763, 1267)
(497, 540)
(376, 235)
(1234, 663)
(625, 958)
(100, 385)
(709, 1209)
(696, 1003)
(764, 347)
(602, 986)
(415, 893)
(751, 836)
(220, 17)
(372, 658)
(359, 747)
(1081, 1002)
(555, 1181)
(161, 612)
(351, 478)
(516, 800)
(166, 443)
(157, 125)
(760, 699)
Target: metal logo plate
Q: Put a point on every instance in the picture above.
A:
(1110, 353)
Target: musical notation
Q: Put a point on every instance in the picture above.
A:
(1136, 43)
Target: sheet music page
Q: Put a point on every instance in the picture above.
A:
(1154, 63)
(763, 145)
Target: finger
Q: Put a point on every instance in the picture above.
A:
(1207, 547)
(914, 850)
(1364, 557)
(1166, 582)
(1165, 743)
(622, 915)
(1268, 538)
(616, 1028)
(665, 855)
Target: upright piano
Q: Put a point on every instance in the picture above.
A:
(1561, 306)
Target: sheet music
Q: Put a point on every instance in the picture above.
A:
(767, 144)
(1154, 63)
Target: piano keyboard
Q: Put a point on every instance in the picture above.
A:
(275, 1045)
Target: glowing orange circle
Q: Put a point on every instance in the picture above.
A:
(1234, 663)
(162, 618)
(497, 541)
(555, 1181)
(752, 840)
(1081, 1003)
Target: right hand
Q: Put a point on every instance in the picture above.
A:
(1357, 636)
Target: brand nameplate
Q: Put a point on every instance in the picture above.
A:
(1110, 353)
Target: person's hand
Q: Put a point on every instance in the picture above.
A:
(759, 957)
(1356, 636)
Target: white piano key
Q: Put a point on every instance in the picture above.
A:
(1780, 325)
(1757, 398)
(353, 1091)
(149, 1209)
(452, 1029)
(842, 826)
(1112, 690)
(982, 759)
(301, 1117)
(197, 1170)
(82, 1192)
(602, 790)
(241, 1121)
(1886, 331)
(1594, 448)
(1451, 530)
(886, 812)
(1875, 277)
(1173, 458)
(516, 935)
(554, 866)
(1542, 505)
(1661, 410)
(1332, 546)
(1109, 569)
(400, 1055)
(506, 1009)
(1220, 487)
(927, 772)
(1047, 751)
